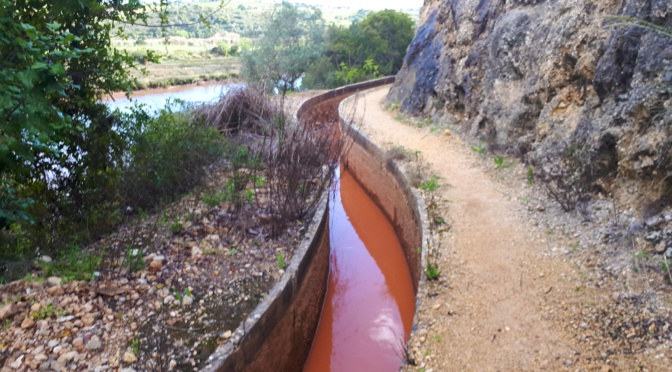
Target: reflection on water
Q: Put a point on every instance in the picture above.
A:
(368, 311)
(157, 98)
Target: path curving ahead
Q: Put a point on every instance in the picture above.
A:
(489, 310)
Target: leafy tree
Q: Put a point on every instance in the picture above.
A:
(375, 46)
(391, 32)
(292, 40)
(55, 65)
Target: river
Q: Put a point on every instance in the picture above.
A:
(154, 99)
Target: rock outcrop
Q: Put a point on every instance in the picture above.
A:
(539, 78)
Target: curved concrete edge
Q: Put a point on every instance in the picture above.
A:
(278, 334)
(389, 187)
(307, 104)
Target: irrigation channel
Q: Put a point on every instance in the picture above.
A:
(367, 299)
(368, 311)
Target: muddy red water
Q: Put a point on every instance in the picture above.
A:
(368, 310)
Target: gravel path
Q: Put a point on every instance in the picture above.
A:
(510, 296)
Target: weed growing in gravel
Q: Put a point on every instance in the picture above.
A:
(176, 227)
(430, 185)
(135, 346)
(281, 261)
(73, 265)
(530, 175)
(133, 259)
(259, 181)
(479, 149)
(437, 227)
(666, 266)
(432, 271)
(500, 162)
(44, 312)
(213, 199)
(392, 106)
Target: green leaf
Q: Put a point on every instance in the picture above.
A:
(39, 66)
(54, 26)
(58, 69)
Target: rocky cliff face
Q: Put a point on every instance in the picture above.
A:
(543, 78)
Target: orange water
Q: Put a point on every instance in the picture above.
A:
(368, 311)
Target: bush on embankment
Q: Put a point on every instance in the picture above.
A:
(151, 161)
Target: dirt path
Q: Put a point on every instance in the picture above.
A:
(489, 311)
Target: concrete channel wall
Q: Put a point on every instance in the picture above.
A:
(278, 334)
(388, 187)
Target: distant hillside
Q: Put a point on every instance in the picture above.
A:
(241, 17)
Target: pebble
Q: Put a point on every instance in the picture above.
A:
(652, 236)
(88, 320)
(134, 326)
(661, 247)
(156, 265)
(54, 281)
(55, 291)
(654, 221)
(46, 259)
(169, 299)
(66, 357)
(94, 343)
(78, 343)
(187, 300)
(129, 357)
(17, 363)
(159, 258)
(6, 311)
(212, 238)
(27, 323)
(195, 251)
(172, 364)
(227, 334)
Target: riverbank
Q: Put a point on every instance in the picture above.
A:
(173, 72)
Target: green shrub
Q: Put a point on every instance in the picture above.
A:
(73, 264)
(168, 157)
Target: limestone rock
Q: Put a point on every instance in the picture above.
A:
(7, 311)
(534, 76)
(129, 358)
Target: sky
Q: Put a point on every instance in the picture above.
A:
(359, 4)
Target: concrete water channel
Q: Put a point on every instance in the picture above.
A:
(347, 300)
